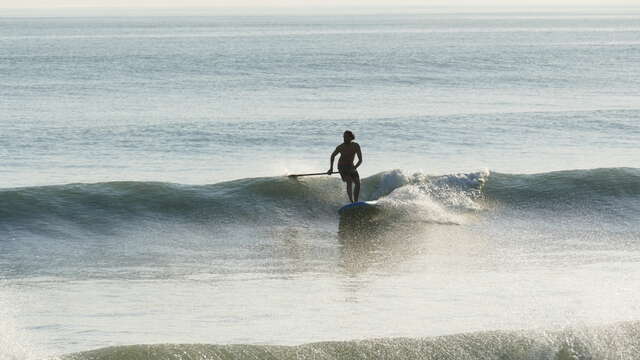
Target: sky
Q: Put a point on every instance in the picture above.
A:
(44, 4)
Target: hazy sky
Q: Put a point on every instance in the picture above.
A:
(14, 4)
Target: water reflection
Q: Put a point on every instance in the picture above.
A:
(371, 241)
(376, 244)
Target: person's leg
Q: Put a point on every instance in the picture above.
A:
(356, 187)
(349, 190)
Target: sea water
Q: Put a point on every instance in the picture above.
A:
(144, 196)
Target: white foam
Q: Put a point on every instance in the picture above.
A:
(389, 181)
(455, 191)
(439, 199)
(413, 204)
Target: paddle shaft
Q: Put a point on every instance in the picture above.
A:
(313, 174)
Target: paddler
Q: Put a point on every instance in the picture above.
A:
(348, 171)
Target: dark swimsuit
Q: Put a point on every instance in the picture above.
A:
(348, 171)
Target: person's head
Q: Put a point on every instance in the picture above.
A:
(348, 136)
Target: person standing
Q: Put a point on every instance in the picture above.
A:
(348, 171)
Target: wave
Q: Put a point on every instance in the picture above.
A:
(417, 197)
(253, 200)
(618, 341)
(92, 204)
(569, 187)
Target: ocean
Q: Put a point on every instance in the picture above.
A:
(146, 211)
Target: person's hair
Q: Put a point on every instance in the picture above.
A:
(348, 134)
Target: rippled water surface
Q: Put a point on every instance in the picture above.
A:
(143, 196)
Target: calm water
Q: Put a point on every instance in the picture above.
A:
(142, 196)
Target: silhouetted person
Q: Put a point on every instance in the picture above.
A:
(348, 150)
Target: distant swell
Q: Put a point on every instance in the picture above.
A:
(438, 199)
(620, 342)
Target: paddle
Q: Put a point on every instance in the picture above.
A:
(313, 174)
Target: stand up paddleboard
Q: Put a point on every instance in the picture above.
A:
(357, 208)
(357, 219)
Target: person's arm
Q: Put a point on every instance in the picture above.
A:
(359, 154)
(333, 157)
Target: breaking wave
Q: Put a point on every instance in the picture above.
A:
(619, 341)
(420, 197)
